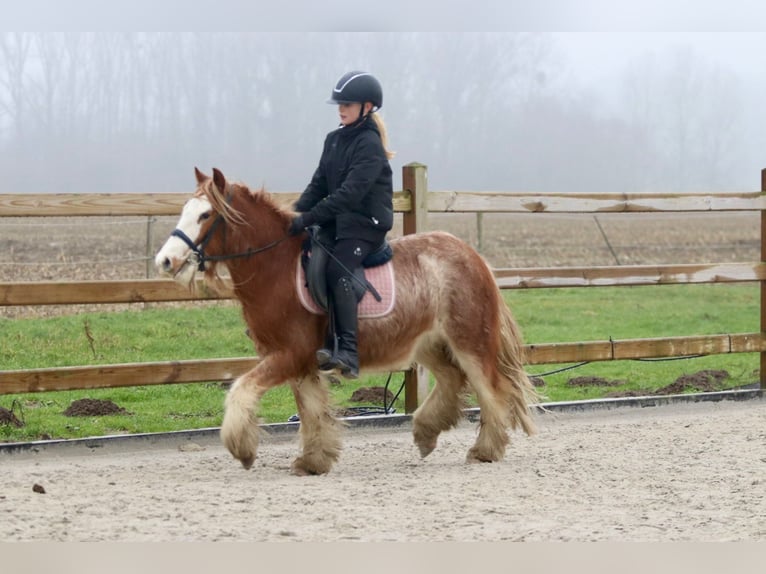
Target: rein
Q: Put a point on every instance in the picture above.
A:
(198, 257)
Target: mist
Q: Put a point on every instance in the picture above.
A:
(568, 112)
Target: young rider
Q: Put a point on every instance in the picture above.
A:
(350, 197)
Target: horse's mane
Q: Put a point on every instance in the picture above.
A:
(247, 212)
(223, 204)
(209, 190)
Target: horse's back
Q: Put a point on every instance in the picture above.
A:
(431, 241)
(443, 268)
(447, 252)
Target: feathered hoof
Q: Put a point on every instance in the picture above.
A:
(247, 462)
(301, 466)
(242, 446)
(476, 456)
(425, 445)
(246, 457)
(425, 450)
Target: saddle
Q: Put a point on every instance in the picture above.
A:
(315, 255)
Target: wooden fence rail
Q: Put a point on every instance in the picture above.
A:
(191, 371)
(163, 290)
(415, 202)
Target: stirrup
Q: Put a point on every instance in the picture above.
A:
(347, 371)
(334, 366)
(329, 369)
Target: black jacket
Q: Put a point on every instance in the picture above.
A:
(352, 188)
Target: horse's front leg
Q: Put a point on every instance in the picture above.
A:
(240, 431)
(320, 431)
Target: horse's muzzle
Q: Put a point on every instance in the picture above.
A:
(165, 266)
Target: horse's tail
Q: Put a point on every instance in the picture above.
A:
(510, 363)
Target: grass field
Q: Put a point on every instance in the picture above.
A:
(32, 250)
(215, 332)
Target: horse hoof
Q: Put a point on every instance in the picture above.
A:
(474, 457)
(424, 451)
(426, 448)
(247, 463)
(300, 468)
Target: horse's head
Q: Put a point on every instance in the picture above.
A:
(201, 218)
(219, 213)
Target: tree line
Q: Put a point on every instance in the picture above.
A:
(136, 111)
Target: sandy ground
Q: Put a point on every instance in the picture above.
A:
(691, 472)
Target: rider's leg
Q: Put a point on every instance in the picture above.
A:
(348, 256)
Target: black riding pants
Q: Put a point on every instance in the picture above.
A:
(349, 254)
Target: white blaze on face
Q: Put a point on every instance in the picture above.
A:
(171, 258)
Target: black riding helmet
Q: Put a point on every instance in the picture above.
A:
(357, 87)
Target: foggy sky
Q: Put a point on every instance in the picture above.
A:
(586, 16)
(598, 61)
(577, 111)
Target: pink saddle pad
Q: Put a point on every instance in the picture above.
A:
(381, 277)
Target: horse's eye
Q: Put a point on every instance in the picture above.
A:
(204, 216)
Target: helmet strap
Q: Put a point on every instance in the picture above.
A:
(361, 118)
(373, 108)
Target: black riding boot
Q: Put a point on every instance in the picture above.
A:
(324, 355)
(345, 315)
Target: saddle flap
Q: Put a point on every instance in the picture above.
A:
(314, 263)
(381, 277)
(315, 256)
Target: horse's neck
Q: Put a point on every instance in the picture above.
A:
(263, 276)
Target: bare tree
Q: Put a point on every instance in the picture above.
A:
(14, 51)
(685, 113)
(487, 111)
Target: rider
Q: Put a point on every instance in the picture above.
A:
(350, 197)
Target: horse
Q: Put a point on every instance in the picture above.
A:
(449, 316)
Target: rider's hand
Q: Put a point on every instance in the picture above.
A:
(296, 226)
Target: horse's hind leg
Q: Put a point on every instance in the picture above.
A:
(319, 430)
(495, 418)
(443, 406)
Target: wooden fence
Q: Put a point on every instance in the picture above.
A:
(415, 202)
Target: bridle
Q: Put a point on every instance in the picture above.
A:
(199, 258)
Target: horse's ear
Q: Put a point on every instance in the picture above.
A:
(219, 179)
(201, 177)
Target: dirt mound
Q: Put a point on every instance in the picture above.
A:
(625, 394)
(593, 382)
(93, 407)
(9, 418)
(373, 395)
(706, 381)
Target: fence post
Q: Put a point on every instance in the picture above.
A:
(479, 231)
(415, 180)
(149, 245)
(763, 283)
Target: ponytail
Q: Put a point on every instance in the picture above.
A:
(383, 134)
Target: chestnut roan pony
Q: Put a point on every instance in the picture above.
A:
(449, 316)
